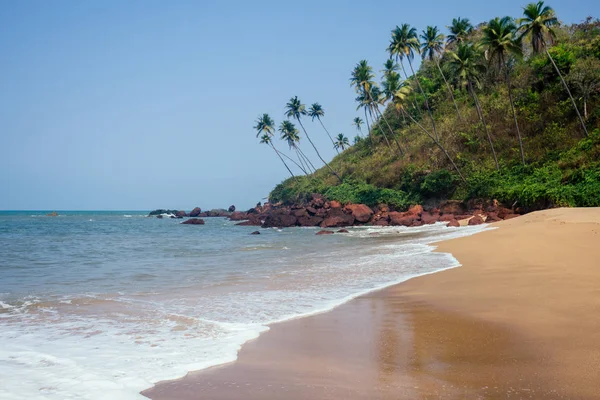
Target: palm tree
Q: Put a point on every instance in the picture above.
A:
(341, 142)
(389, 67)
(468, 68)
(357, 139)
(295, 109)
(289, 133)
(405, 43)
(316, 111)
(265, 127)
(358, 123)
(459, 30)
(432, 47)
(500, 38)
(537, 24)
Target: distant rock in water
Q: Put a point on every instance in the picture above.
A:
(343, 231)
(255, 233)
(193, 221)
(159, 216)
(162, 211)
(52, 214)
(195, 212)
(324, 232)
(231, 208)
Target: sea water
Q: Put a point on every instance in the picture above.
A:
(101, 305)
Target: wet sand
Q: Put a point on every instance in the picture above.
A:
(519, 319)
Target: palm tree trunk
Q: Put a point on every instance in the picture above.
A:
(391, 131)
(567, 88)
(317, 151)
(438, 144)
(437, 62)
(426, 102)
(302, 167)
(307, 160)
(480, 113)
(382, 131)
(414, 101)
(283, 161)
(512, 106)
(332, 141)
(369, 129)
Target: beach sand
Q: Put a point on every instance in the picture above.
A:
(519, 319)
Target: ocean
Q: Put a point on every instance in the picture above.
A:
(101, 305)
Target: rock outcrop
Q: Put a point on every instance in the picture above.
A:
(193, 221)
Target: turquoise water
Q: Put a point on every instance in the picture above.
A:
(97, 305)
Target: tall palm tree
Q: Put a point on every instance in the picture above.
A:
(432, 47)
(459, 30)
(265, 127)
(389, 67)
(466, 62)
(537, 23)
(295, 109)
(500, 38)
(341, 142)
(316, 111)
(405, 43)
(362, 79)
(357, 122)
(289, 133)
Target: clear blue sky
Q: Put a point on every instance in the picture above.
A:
(143, 104)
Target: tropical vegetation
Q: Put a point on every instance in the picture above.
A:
(508, 109)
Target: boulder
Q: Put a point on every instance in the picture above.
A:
(324, 232)
(159, 216)
(429, 218)
(318, 201)
(195, 212)
(337, 218)
(381, 222)
(279, 220)
(453, 224)
(343, 231)
(238, 216)
(231, 208)
(311, 210)
(193, 221)
(335, 204)
(509, 216)
(447, 218)
(492, 217)
(253, 220)
(476, 220)
(417, 210)
(180, 214)
(360, 212)
(456, 207)
(301, 212)
(503, 212)
(402, 219)
(255, 233)
(308, 220)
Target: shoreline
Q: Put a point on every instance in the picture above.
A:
(416, 310)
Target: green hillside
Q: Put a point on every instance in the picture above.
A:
(431, 140)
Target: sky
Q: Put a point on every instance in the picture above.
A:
(144, 104)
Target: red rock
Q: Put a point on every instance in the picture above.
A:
(343, 231)
(360, 212)
(317, 201)
(416, 222)
(335, 204)
(279, 220)
(447, 218)
(456, 207)
(308, 220)
(255, 233)
(381, 222)
(453, 223)
(181, 214)
(324, 233)
(403, 219)
(476, 220)
(383, 208)
(429, 218)
(193, 221)
(238, 216)
(492, 217)
(195, 212)
(503, 212)
(311, 210)
(300, 213)
(336, 218)
(417, 209)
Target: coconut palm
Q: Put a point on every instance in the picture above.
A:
(432, 47)
(290, 134)
(357, 139)
(459, 30)
(358, 122)
(341, 142)
(537, 23)
(265, 127)
(468, 68)
(295, 109)
(389, 67)
(316, 111)
(500, 39)
(405, 43)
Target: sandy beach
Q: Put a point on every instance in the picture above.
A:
(519, 319)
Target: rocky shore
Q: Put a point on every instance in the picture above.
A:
(324, 213)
